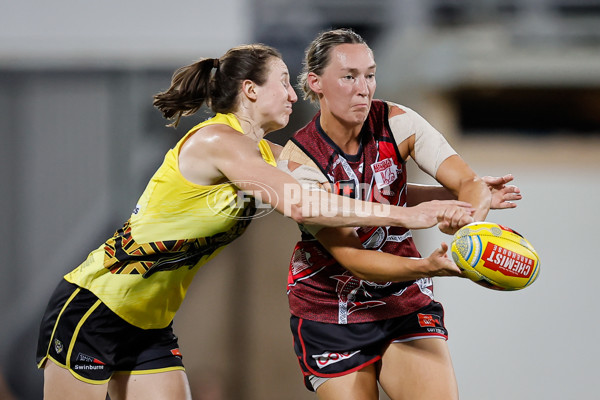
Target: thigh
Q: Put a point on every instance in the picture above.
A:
(60, 384)
(418, 369)
(359, 385)
(172, 385)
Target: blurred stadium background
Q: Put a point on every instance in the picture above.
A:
(513, 84)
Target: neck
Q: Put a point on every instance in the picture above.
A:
(347, 138)
(252, 130)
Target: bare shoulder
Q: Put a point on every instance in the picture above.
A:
(211, 137)
(203, 152)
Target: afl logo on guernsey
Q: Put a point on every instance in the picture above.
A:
(237, 202)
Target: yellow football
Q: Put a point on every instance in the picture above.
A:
(495, 256)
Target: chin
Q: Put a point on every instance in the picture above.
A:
(360, 118)
(284, 121)
(277, 125)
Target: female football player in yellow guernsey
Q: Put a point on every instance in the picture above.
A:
(107, 328)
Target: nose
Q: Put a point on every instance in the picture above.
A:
(292, 96)
(362, 86)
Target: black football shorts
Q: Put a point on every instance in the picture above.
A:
(79, 333)
(329, 350)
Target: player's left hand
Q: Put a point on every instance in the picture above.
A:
(451, 220)
(503, 195)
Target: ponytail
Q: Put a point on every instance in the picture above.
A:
(190, 88)
(195, 85)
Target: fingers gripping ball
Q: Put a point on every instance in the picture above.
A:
(495, 256)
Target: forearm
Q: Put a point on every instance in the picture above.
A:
(383, 267)
(476, 192)
(313, 204)
(345, 246)
(417, 194)
(461, 180)
(326, 209)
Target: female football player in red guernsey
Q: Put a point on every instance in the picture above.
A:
(108, 325)
(361, 316)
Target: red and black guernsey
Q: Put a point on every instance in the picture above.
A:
(319, 288)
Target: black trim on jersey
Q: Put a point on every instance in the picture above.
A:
(364, 132)
(363, 136)
(392, 139)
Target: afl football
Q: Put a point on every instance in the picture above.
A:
(495, 256)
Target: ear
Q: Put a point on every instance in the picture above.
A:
(249, 89)
(314, 82)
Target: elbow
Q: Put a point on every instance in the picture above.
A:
(296, 214)
(369, 276)
(362, 275)
(350, 259)
(358, 271)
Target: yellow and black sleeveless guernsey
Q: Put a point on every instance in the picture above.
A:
(143, 272)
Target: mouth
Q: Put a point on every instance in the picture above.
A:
(361, 106)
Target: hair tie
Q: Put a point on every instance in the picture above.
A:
(215, 63)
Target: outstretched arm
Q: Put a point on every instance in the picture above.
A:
(417, 139)
(219, 154)
(345, 246)
(301, 167)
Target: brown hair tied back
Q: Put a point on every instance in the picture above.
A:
(189, 90)
(195, 84)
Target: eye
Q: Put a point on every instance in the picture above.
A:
(371, 76)
(348, 77)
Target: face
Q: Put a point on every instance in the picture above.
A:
(274, 99)
(347, 84)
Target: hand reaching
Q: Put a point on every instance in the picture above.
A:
(452, 219)
(502, 195)
(450, 215)
(441, 265)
